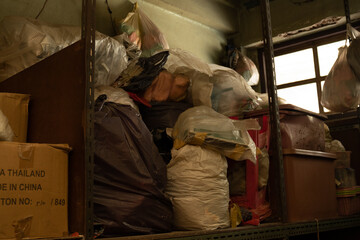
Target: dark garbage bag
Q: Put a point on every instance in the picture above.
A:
(129, 175)
(163, 114)
(157, 118)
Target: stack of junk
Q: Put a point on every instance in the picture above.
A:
(181, 144)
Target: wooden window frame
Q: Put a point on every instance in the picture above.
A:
(310, 41)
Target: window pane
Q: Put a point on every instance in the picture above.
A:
(304, 96)
(327, 56)
(294, 66)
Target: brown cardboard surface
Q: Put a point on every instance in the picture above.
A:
(310, 185)
(15, 108)
(33, 190)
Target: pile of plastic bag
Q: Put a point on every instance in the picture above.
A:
(25, 41)
(163, 131)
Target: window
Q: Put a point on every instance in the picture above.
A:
(300, 74)
(302, 65)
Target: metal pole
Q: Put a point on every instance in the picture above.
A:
(88, 34)
(347, 11)
(275, 144)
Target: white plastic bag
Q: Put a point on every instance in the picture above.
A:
(341, 90)
(198, 189)
(6, 133)
(25, 41)
(231, 94)
(203, 126)
(212, 85)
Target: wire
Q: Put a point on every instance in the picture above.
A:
(111, 18)
(41, 9)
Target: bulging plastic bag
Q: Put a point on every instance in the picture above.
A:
(143, 32)
(25, 41)
(129, 174)
(341, 90)
(204, 127)
(231, 94)
(245, 67)
(353, 55)
(6, 133)
(211, 85)
(198, 189)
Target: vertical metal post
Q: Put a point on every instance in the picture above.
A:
(275, 144)
(347, 11)
(88, 34)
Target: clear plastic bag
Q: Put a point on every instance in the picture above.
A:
(143, 32)
(204, 127)
(231, 94)
(341, 90)
(212, 85)
(25, 41)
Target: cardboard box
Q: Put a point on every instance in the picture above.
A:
(33, 190)
(15, 108)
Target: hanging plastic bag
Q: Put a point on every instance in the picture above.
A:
(198, 189)
(143, 32)
(244, 66)
(341, 90)
(204, 127)
(353, 55)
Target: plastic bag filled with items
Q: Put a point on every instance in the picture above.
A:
(341, 91)
(211, 85)
(203, 126)
(143, 32)
(25, 41)
(198, 189)
(244, 66)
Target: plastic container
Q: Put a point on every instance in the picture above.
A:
(310, 185)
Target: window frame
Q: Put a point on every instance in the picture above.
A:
(309, 41)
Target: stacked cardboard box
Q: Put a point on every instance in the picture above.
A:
(33, 180)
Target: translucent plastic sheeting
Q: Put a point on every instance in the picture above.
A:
(204, 127)
(198, 189)
(25, 41)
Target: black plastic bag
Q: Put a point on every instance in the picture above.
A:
(129, 175)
